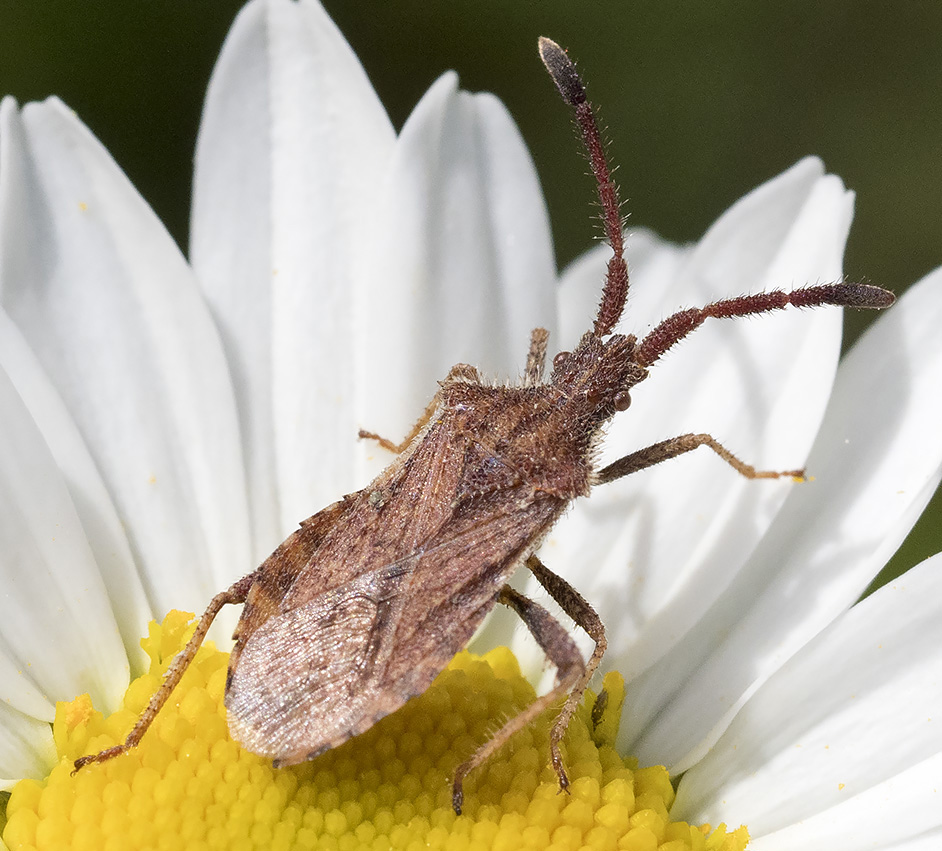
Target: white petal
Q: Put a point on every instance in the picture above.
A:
(747, 241)
(99, 519)
(291, 154)
(26, 748)
(853, 710)
(463, 266)
(877, 461)
(675, 535)
(113, 314)
(58, 637)
(900, 814)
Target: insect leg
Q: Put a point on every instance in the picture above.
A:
(235, 594)
(562, 652)
(459, 372)
(666, 449)
(536, 357)
(396, 448)
(576, 606)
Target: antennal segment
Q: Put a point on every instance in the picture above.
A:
(572, 90)
(673, 329)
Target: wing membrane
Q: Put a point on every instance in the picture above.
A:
(307, 679)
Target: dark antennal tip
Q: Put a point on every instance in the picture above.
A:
(562, 71)
(865, 296)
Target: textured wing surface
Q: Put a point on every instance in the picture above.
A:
(280, 573)
(306, 679)
(456, 583)
(462, 518)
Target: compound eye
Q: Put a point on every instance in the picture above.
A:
(560, 360)
(622, 400)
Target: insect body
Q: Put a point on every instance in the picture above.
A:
(366, 603)
(369, 600)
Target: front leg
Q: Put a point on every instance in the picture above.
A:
(666, 449)
(459, 371)
(396, 448)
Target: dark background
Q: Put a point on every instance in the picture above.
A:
(701, 102)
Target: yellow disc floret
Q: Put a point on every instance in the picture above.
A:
(189, 786)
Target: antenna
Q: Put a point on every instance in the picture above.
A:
(615, 291)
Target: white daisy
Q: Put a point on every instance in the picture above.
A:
(165, 424)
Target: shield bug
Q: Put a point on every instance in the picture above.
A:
(366, 603)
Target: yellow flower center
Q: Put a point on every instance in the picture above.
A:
(189, 786)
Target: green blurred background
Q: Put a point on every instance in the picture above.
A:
(702, 101)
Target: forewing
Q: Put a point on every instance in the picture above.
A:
(309, 679)
(455, 583)
(280, 571)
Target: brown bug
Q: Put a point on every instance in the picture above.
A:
(366, 603)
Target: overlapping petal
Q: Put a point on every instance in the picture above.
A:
(292, 148)
(811, 746)
(877, 461)
(52, 586)
(110, 309)
(463, 266)
(92, 503)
